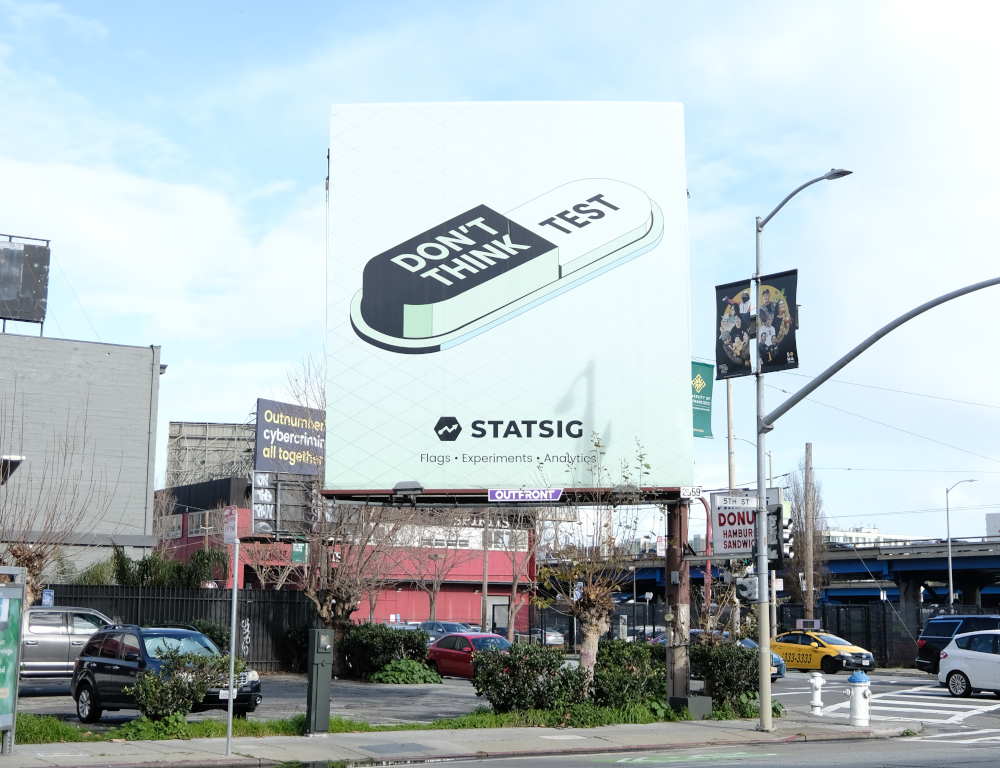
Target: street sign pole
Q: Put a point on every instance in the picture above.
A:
(231, 537)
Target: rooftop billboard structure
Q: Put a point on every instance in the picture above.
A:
(24, 278)
(508, 296)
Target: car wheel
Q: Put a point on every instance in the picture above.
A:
(959, 685)
(87, 708)
(829, 665)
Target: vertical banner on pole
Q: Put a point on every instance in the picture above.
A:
(701, 398)
(776, 321)
(733, 330)
(11, 604)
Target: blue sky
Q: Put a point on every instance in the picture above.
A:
(175, 155)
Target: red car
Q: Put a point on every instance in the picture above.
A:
(452, 654)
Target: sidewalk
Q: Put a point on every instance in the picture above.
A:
(419, 746)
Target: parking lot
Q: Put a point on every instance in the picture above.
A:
(285, 695)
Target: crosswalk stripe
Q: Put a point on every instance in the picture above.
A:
(963, 733)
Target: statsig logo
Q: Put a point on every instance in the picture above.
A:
(447, 428)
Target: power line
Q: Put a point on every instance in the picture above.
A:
(890, 426)
(908, 469)
(884, 389)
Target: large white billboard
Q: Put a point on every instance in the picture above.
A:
(506, 281)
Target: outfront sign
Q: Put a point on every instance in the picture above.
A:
(508, 305)
(525, 494)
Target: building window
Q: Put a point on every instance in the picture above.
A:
(195, 524)
(169, 527)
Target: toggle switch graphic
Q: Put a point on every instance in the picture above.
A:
(480, 268)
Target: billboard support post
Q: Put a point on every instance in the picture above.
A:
(231, 536)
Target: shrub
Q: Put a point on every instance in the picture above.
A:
(367, 648)
(406, 672)
(527, 677)
(182, 681)
(627, 673)
(729, 670)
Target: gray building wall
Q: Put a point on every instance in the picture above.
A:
(99, 399)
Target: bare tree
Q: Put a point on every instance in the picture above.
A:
(50, 497)
(353, 549)
(796, 564)
(434, 552)
(271, 562)
(514, 532)
(592, 563)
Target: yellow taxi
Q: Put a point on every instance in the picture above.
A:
(819, 649)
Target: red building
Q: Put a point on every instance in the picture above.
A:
(458, 569)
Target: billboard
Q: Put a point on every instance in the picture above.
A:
(24, 281)
(508, 285)
(290, 438)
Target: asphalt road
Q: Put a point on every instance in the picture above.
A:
(285, 695)
(894, 753)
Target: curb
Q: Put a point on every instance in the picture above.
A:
(246, 762)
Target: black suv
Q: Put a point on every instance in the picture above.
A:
(937, 633)
(115, 655)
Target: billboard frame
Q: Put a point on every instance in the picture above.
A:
(31, 241)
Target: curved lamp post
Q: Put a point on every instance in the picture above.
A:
(947, 518)
(763, 593)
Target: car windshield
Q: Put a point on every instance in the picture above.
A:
(833, 640)
(453, 626)
(192, 643)
(746, 642)
(490, 643)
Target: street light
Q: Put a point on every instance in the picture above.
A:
(763, 593)
(947, 517)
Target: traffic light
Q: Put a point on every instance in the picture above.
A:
(780, 532)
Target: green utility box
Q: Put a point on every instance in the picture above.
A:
(320, 668)
(11, 604)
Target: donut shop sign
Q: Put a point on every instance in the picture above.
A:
(734, 521)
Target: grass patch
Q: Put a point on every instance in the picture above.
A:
(46, 729)
(35, 729)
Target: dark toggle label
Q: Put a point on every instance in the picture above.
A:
(408, 290)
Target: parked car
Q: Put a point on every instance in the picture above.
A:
(452, 654)
(938, 632)
(437, 629)
(53, 637)
(821, 650)
(115, 655)
(551, 636)
(970, 663)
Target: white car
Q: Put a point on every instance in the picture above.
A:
(971, 662)
(551, 636)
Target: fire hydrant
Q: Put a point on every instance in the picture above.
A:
(860, 693)
(816, 682)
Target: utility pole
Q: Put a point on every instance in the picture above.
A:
(729, 434)
(484, 625)
(809, 520)
(679, 600)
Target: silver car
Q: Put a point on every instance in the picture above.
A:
(52, 638)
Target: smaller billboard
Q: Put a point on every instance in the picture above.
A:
(776, 322)
(733, 330)
(290, 438)
(24, 281)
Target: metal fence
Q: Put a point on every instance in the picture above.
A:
(639, 621)
(887, 630)
(268, 620)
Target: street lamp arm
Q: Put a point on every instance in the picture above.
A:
(761, 223)
(767, 422)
